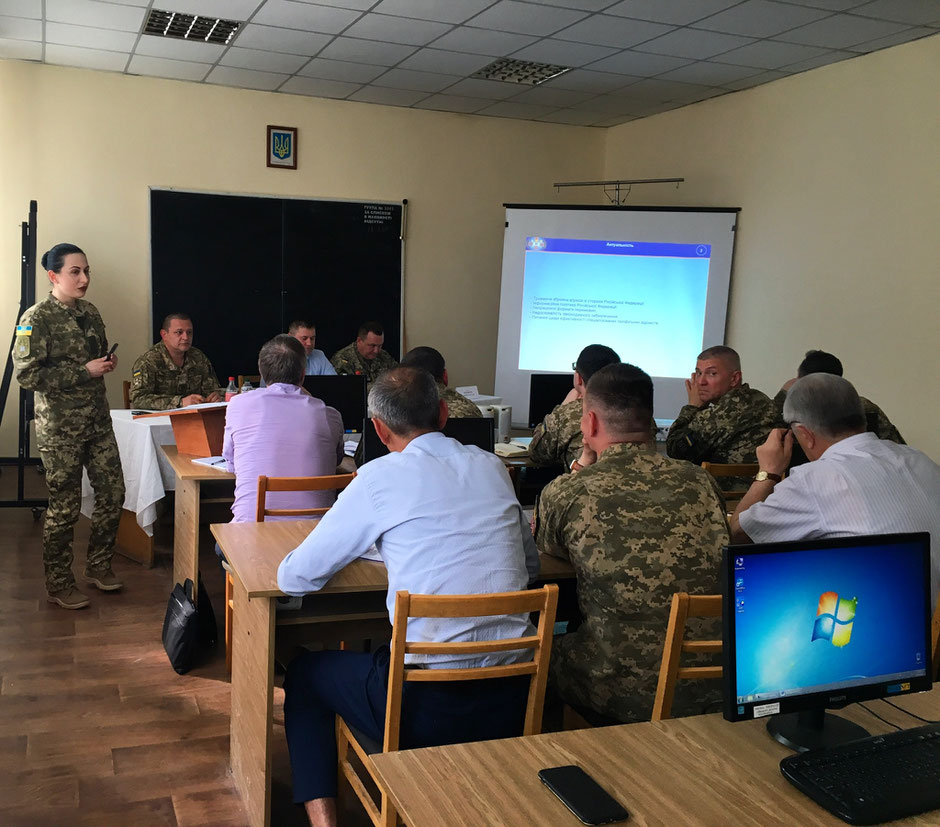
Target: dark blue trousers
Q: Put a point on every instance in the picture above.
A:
(320, 685)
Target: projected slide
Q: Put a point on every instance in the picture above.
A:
(645, 300)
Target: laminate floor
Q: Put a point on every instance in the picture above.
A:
(95, 726)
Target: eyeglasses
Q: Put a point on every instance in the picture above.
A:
(574, 365)
(790, 425)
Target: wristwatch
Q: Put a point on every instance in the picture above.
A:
(760, 476)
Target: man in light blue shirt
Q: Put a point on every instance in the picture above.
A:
(306, 334)
(445, 519)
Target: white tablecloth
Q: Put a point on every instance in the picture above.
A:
(148, 474)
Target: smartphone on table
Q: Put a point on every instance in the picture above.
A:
(581, 794)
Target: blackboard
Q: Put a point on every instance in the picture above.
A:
(244, 267)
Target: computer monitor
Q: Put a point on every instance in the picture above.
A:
(470, 430)
(819, 624)
(546, 390)
(345, 393)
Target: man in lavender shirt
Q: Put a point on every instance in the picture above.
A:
(280, 431)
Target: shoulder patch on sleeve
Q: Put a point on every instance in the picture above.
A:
(137, 373)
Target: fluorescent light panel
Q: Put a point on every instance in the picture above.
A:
(190, 26)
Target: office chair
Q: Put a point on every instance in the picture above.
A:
(740, 469)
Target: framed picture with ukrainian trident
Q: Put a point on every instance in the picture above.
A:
(282, 147)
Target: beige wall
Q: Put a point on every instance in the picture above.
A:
(837, 172)
(87, 145)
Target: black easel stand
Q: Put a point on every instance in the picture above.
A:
(27, 299)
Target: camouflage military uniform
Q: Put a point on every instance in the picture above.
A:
(458, 405)
(637, 527)
(875, 418)
(726, 431)
(73, 429)
(557, 440)
(348, 361)
(157, 384)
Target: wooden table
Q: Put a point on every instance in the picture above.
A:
(189, 478)
(350, 606)
(702, 770)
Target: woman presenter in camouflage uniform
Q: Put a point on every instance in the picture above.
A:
(61, 352)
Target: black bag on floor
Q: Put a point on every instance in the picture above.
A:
(187, 629)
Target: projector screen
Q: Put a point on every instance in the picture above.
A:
(652, 283)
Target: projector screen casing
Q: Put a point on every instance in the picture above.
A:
(653, 225)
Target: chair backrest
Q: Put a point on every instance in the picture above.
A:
(543, 600)
(254, 378)
(332, 482)
(737, 469)
(684, 606)
(126, 387)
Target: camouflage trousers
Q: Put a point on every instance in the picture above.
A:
(64, 463)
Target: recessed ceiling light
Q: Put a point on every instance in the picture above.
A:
(190, 26)
(520, 71)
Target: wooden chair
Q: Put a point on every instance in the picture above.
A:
(332, 482)
(684, 606)
(126, 387)
(544, 601)
(254, 378)
(740, 469)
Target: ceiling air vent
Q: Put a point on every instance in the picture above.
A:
(520, 71)
(190, 26)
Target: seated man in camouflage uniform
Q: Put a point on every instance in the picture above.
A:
(818, 361)
(557, 440)
(725, 419)
(173, 373)
(637, 527)
(431, 360)
(364, 357)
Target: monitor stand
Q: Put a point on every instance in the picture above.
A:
(801, 731)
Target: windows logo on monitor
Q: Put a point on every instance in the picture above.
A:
(835, 617)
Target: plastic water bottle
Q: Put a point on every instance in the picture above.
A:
(246, 386)
(232, 388)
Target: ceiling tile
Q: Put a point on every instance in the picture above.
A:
(816, 62)
(179, 49)
(453, 11)
(227, 9)
(654, 90)
(262, 61)
(607, 105)
(163, 68)
(319, 88)
(526, 18)
(91, 13)
(756, 80)
(585, 5)
(20, 28)
(571, 117)
(829, 5)
(677, 13)
(512, 109)
(20, 49)
(343, 70)
(692, 43)
(396, 29)
(548, 96)
(492, 89)
(605, 30)
(585, 80)
(563, 52)
(482, 41)
(23, 8)
(699, 93)
(711, 74)
(437, 60)
(366, 51)
(275, 39)
(292, 15)
(109, 39)
(359, 5)
(760, 18)
(769, 54)
(141, 3)
(416, 81)
(452, 103)
(641, 64)
(914, 12)
(245, 78)
(389, 97)
(841, 31)
(894, 40)
(86, 58)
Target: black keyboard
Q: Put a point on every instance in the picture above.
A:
(875, 779)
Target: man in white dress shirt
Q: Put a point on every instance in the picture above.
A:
(854, 483)
(445, 520)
